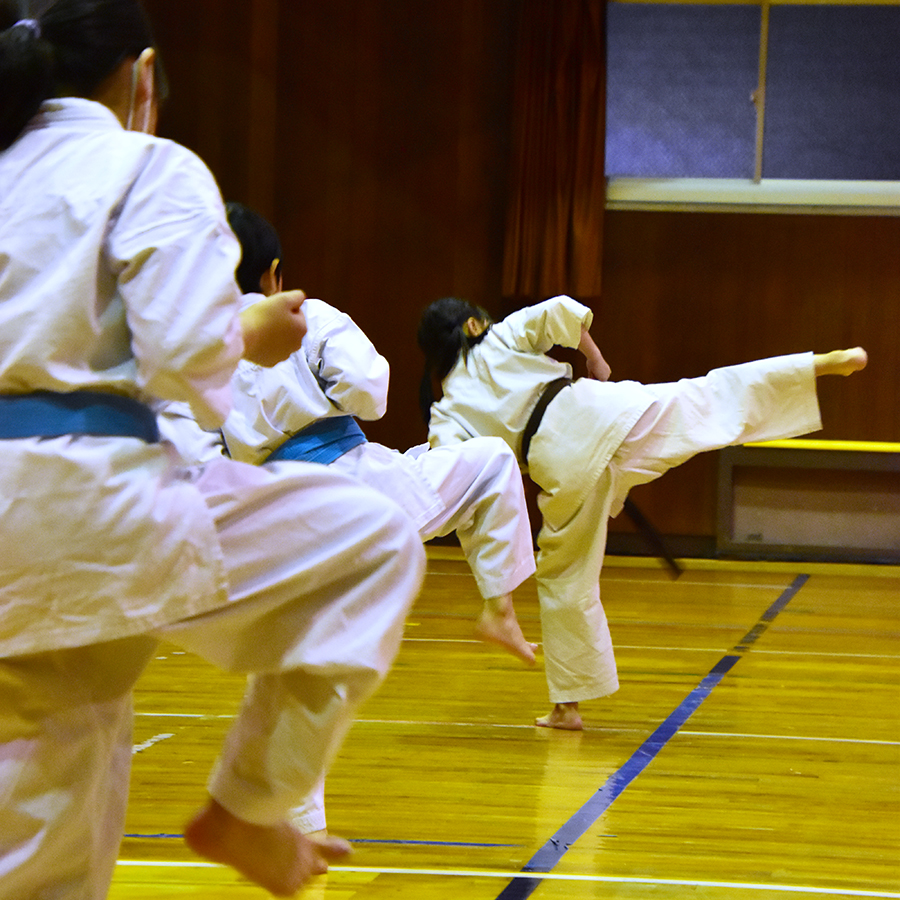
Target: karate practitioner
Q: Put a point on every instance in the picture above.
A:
(586, 443)
(305, 407)
(117, 288)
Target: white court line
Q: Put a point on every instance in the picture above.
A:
(822, 653)
(171, 715)
(165, 715)
(606, 730)
(788, 737)
(747, 586)
(682, 581)
(744, 585)
(825, 653)
(553, 876)
(137, 748)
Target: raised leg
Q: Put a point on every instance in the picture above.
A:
(322, 572)
(276, 857)
(498, 624)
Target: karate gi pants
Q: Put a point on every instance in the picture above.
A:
(764, 400)
(473, 488)
(322, 573)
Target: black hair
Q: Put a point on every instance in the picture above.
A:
(442, 338)
(66, 51)
(260, 245)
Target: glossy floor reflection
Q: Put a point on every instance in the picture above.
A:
(782, 780)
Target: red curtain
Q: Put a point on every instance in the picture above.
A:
(554, 232)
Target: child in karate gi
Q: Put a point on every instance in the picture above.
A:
(305, 408)
(117, 289)
(587, 442)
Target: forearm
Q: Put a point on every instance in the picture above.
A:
(597, 366)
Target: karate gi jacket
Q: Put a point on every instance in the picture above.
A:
(116, 275)
(336, 372)
(493, 389)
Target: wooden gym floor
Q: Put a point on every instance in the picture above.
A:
(752, 751)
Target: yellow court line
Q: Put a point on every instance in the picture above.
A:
(812, 444)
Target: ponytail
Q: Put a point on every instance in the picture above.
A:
(442, 338)
(67, 52)
(26, 74)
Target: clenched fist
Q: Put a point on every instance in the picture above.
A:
(273, 327)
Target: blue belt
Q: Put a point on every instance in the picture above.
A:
(50, 414)
(322, 442)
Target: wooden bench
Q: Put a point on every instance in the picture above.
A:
(810, 500)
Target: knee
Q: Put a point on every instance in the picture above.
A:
(495, 457)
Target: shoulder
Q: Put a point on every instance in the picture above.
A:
(321, 312)
(174, 164)
(330, 323)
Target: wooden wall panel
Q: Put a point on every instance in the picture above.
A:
(685, 292)
(376, 135)
(206, 50)
(392, 164)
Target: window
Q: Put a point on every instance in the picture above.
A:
(793, 104)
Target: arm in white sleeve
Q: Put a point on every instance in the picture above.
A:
(551, 323)
(176, 258)
(350, 371)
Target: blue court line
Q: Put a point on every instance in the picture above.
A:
(405, 843)
(468, 844)
(552, 851)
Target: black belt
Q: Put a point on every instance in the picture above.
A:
(51, 414)
(531, 426)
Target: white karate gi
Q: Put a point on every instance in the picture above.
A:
(595, 442)
(117, 274)
(473, 488)
(178, 426)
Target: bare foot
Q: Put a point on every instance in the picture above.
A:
(563, 716)
(841, 362)
(498, 624)
(336, 847)
(276, 857)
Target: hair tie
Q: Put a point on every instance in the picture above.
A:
(31, 24)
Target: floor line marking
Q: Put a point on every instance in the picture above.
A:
(134, 836)
(171, 715)
(525, 726)
(137, 748)
(789, 737)
(823, 653)
(548, 876)
(552, 851)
